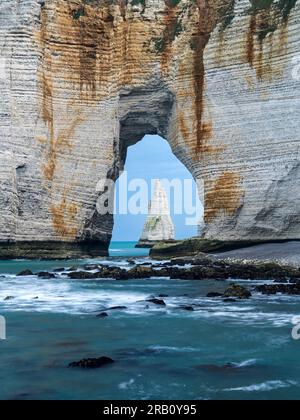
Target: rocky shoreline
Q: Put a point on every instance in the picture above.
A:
(201, 267)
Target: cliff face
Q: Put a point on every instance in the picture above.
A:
(159, 225)
(82, 80)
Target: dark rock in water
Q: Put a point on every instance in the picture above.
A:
(83, 275)
(73, 268)
(157, 302)
(228, 367)
(25, 273)
(59, 270)
(163, 296)
(186, 308)
(163, 272)
(202, 267)
(9, 298)
(273, 289)
(115, 308)
(46, 275)
(214, 295)
(141, 272)
(131, 262)
(198, 273)
(115, 273)
(294, 281)
(36, 298)
(244, 368)
(21, 397)
(229, 300)
(216, 367)
(237, 291)
(102, 315)
(92, 363)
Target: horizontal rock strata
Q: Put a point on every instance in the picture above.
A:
(80, 81)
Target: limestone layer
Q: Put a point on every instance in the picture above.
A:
(80, 81)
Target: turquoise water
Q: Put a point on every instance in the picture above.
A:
(127, 249)
(159, 352)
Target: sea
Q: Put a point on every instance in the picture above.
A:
(240, 350)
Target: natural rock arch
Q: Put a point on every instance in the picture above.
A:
(87, 78)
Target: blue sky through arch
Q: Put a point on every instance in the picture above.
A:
(152, 158)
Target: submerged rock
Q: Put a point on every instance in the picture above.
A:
(25, 273)
(9, 298)
(214, 295)
(46, 275)
(186, 308)
(102, 315)
(92, 363)
(157, 302)
(218, 368)
(115, 308)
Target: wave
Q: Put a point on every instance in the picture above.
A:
(263, 387)
(246, 363)
(173, 349)
(126, 385)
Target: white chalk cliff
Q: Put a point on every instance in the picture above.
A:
(80, 81)
(159, 225)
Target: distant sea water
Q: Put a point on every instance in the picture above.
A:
(240, 350)
(127, 249)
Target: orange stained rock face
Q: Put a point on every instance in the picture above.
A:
(224, 195)
(267, 35)
(64, 217)
(90, 50)
(59, 144)
(96, 48)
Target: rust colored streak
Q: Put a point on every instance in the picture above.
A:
(184, 129)
(251, 40)
(223, 196)
(266, 25)
(64, 217)
(58, 145)
(46, 82)
(207, 22)
(170, 22)
(92, 35)
(66, 135)
(47, 97)
(206, 135)
(260, 61)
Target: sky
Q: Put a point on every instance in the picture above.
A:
(150, 159)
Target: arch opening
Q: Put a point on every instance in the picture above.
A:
(147, 160)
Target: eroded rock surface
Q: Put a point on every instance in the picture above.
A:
(80, 81)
